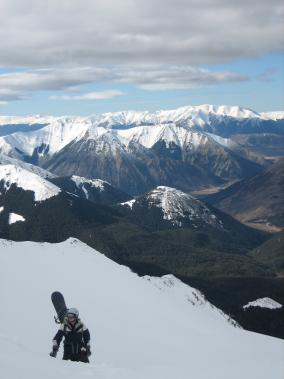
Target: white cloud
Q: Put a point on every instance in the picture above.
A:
(18, 85)
(103, 95)
(40, 33)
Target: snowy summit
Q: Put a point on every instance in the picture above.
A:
(178, 206)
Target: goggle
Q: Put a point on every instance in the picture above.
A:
(71, 316)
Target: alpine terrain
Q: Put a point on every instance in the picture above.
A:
(190, 148)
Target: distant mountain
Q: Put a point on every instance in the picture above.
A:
(16, 176)
(258, 200)
(173, 208)
(190, 148)
(95, 190)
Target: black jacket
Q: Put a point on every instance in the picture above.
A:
(77, 339)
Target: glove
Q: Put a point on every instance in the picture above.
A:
(86, 350)
(54, 352)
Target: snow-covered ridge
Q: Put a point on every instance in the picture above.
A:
(33, 119)
(148, 136)
(143, 117)
(277, 115)
(140, 328)
(184, 126)
(54, 136)
(5, 160)
(264, 302)
(170, 285)
(43, 189)
(197, 114)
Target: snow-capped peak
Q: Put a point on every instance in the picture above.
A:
(177, 205)
(149, 135)
(43, 189)
(265, 302)
(273, 115)
(184, 126)
(199, 114)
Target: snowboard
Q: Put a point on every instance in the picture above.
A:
(60, 306)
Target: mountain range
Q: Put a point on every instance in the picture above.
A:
(190, 148)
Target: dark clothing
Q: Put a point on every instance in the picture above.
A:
(76, 342)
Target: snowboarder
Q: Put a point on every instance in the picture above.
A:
(77, 338)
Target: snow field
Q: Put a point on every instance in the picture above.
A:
(140, 327)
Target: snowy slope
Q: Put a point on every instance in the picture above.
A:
(56, 135)
(5, 160)
(141, 328)
(149, 135)
(29, 181)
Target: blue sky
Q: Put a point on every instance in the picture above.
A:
(83, 57)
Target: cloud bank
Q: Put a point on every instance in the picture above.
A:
(48, 33)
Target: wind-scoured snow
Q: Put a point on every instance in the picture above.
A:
(14, 217)
(141, 328)
(177, 205)
(264, 302)
(43, 189)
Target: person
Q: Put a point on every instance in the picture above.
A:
(77, 338)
